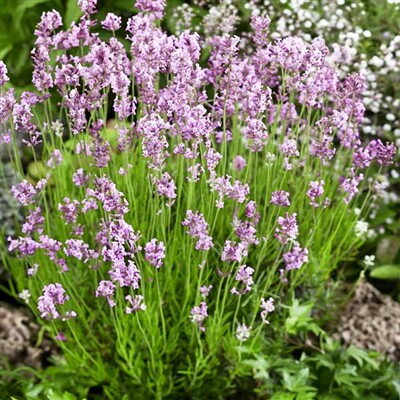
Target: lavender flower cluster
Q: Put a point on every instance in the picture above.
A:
(179, 121)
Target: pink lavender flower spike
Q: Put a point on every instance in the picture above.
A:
(295, 258)
(383, 153)
(166, 186)
(26, 246)
(53, 295)
(32, 271)
(205, 291)
(198, 314)
(237, 191)
(260, 26)
(79, 178)
(79, 249)
(70, 210)
(155, 253)
(267, 307)
(88, 6)
(125, 274)
(55, 159)
(322, 149)
(153, 6)
(136, 304)
(61, 337)
(245, 279)
(256, 132)
(112, 22)
(24, 192)
(3, 73)
(252, 213)
(315, 190)
(362, 158)
(234, 251)
(198, 228)
(34, 222)
(106, 289)
(246, 231)
(49, 22)
(239, 163)
(288, 228)
(350, 186)
(280, 198)
(289, 149)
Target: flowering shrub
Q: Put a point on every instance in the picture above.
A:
(163, 244)
(362, 36)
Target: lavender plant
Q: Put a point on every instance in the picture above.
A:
(185, 202)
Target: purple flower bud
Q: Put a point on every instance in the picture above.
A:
(112, 22)
(106, 289)
(244, 276)
(315, 190)
(198, 314)
(295, 258)
(3, 73)
(267, 308)
(24, 192)
(288, 229)
(280, 198)
(88, 6)
(53, 295)
(155, 253)
(239, 163)
(166, 186)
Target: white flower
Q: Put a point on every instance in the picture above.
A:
(361, 228)
(243, 332)
(25, 295)
(57, 127)
(369, 261)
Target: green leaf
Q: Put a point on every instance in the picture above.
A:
(386, 272)
(300, 320)
(306, 396)
(33, 391)
(283, 396)
(362, 356)
(4, 51)
(52, 395)
(126, 5)
(72, 13)
(37, 170)
(297, 382)
(23, 6)
(396, 385)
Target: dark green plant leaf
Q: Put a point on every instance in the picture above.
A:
(386, 272)
(72, 13)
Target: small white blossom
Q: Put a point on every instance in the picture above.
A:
(369, 261)
(361, 228)
(243, 332)
(25, 295)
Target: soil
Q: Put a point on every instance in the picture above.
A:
(371, 321)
